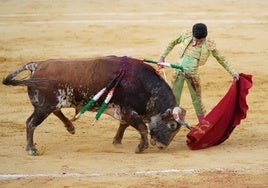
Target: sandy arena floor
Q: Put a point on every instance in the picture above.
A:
(39, 30)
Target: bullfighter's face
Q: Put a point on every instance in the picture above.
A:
(162, 130)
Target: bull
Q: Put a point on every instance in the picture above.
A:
(141, 96)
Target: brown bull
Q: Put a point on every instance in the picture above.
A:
(141, 96)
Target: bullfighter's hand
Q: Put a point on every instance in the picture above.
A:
(161, 60)
(235, 76)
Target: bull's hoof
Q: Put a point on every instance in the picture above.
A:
(32, 151)
(71, 130)
(116, 141)
(140, 149)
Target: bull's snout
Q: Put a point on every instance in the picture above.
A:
(160, 146)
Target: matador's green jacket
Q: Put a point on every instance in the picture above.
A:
(208, 47)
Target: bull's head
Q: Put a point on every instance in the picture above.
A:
(163, 127)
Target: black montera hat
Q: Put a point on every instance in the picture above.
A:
(200, 30)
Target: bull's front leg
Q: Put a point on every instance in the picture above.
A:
(135, 121)
(120, 133)
(144, 140)
(130, 117)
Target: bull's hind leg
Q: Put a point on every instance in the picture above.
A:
(67, 123)
(32, 122)
(120, 133)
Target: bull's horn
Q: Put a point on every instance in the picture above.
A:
(186, 124)
(176, 111)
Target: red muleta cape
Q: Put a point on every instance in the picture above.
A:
(223, 118)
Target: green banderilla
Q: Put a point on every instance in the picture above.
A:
(165, 64)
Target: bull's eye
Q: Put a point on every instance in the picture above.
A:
(172, 126)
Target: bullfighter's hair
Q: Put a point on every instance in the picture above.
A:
(200, 30)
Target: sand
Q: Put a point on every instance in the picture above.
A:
(40, 30)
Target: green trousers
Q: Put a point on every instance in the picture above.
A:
(191, 77)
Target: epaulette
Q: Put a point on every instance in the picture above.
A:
(186, 33)
(210, 44)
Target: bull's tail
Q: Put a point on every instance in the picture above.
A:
(10, 79)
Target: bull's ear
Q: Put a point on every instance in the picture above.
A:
(167, 113)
